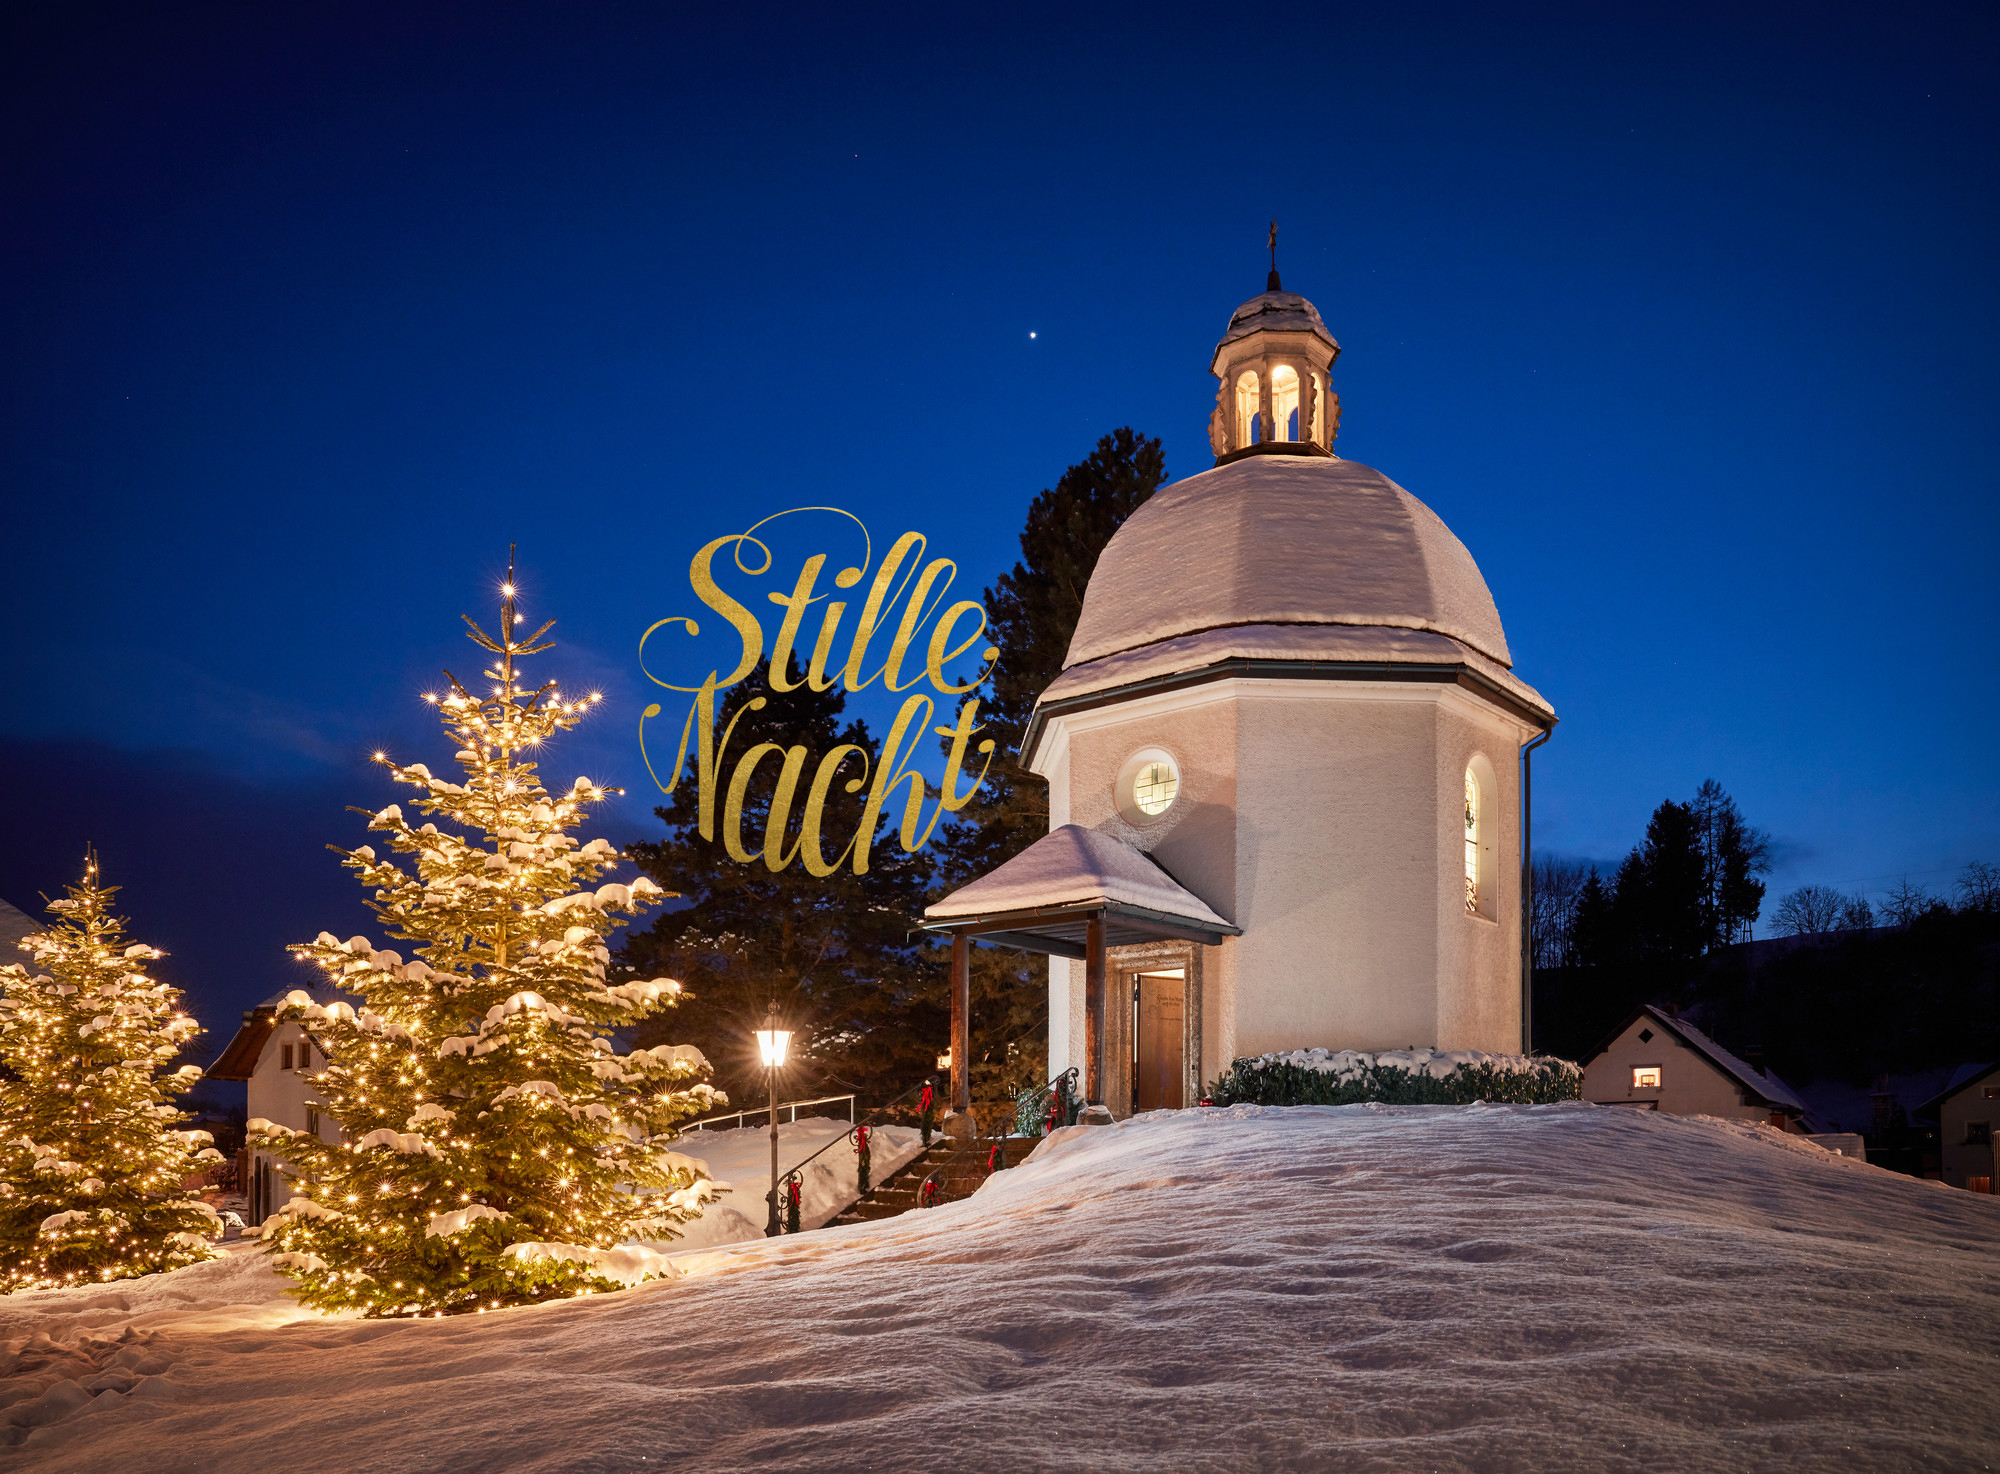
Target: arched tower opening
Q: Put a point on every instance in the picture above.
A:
(1276, 391)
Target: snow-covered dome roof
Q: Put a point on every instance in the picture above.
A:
(1283, 540)
(1273, 312)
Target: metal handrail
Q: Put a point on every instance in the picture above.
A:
(708, 1122)
(930, 1080)
(1070, 1074)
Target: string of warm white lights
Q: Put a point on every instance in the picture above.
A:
(91, 1165)
(494, 1146)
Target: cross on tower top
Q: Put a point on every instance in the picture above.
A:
(1274, 287)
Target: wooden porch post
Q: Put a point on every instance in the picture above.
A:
(1093, 1010)
(961, 1022)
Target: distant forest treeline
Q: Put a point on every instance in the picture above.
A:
(1841, 992)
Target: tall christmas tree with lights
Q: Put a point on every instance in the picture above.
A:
(498, 1149)
(91, 1165)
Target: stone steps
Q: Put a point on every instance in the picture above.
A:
(960, 1167)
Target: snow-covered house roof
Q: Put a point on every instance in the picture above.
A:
(238, 1060)
(1273, 312)
(1075, 869)
(1283, 540)
(1347, 645)
(14, 925)
(1758, 1085)
(1074, 866)
(1962, 1078)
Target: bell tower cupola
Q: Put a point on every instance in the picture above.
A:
(1275, 365)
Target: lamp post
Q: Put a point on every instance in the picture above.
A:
(772, 1042)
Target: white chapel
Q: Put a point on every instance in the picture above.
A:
(1284, 766)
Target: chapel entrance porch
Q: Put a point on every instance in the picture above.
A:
(1079, 894)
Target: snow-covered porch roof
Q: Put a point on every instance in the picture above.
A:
(1044, 899)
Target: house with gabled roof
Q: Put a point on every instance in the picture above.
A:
(1967, 1110)
(1657, 1061)
(279, 1067)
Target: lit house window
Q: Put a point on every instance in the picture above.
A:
(1155, 787)
(1471, 843)
(1246, 409)
(1645, 1077)
(1285, 401)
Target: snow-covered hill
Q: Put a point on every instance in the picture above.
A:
(1355, 1288)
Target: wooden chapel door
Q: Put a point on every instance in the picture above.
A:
(1156, 1072)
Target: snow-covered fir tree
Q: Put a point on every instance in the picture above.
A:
(498, 1148)
(91, 1160)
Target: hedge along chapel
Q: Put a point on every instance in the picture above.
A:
(1284, 792)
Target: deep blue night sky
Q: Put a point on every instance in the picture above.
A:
(1682, 319)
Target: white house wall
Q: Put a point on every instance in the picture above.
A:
(1323, 818)
(281, 1096)
(1065, 975)
(1337, 856)
(1479, 957)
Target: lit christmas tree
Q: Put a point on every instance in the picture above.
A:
(91, 1167)
(498, 1149)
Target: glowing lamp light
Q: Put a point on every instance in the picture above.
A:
(772, 1045)
(944, 1060)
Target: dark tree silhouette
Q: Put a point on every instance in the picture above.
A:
(1033, 610)
(1686, 891)
(1733, 855)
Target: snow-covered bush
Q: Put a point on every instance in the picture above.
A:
(1397, 1077)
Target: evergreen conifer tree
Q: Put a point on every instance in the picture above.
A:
(91, 1167)
(1734, 853)
(498, 1148)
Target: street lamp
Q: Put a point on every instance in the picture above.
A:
(772, 1043)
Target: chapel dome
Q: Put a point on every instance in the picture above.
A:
(1273, 540)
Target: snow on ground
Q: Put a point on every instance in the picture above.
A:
(1508, 1288)
(742, 1158)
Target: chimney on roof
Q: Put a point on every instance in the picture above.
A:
(1753, 1056)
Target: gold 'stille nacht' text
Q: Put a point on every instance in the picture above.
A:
(906, 592)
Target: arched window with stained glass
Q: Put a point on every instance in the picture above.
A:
(1471, 843)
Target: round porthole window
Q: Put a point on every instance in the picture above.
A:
(1148, 785)
(1155, 786)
